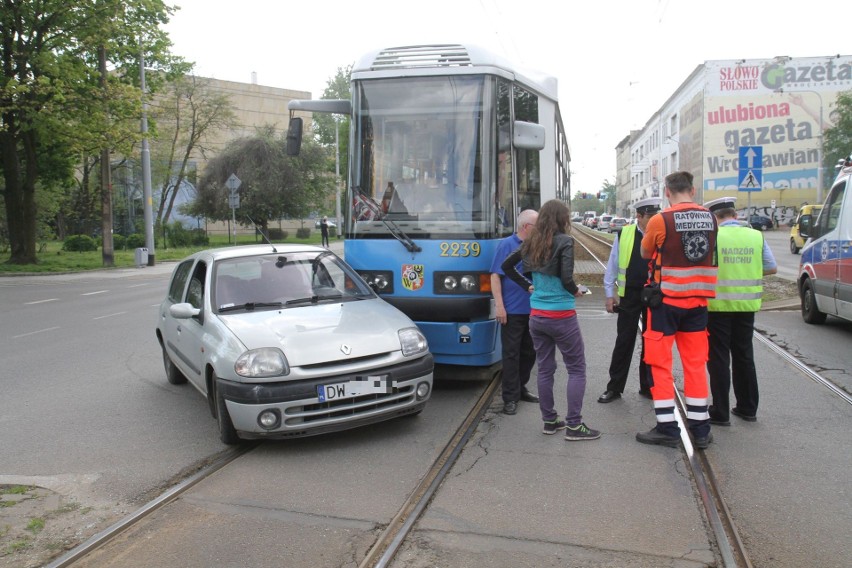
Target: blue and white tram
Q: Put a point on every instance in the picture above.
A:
(448, 143)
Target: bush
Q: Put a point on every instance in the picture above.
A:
(303, 233)
(119, 242)
(199, 237)
(135, 241)
(79, 243)
(278, 234)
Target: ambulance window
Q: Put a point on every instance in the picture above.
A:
(831, 212)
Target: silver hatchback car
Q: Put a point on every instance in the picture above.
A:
(289, 341)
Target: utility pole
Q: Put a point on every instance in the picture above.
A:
(146, 165)
(107, 253)
(337, 174)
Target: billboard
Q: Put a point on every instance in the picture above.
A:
(780, 104)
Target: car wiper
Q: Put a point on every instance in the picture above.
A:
(250, 306)
(392, 227)
(315, 298)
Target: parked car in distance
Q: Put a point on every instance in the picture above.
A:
(804, 220)
(592, 222)
(603, 222)
(617, 224)
(289, 341)
(330, 224)
(760, 222)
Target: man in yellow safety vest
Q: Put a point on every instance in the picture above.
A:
(744, 258)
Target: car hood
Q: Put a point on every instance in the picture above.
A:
(318, 333)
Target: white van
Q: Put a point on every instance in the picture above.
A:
(825, 271)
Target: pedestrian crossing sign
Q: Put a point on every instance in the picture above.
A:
(751, 168)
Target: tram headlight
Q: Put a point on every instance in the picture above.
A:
(462, 282)
(381, 281)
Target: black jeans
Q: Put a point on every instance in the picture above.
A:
(630, 312)
(518, 355)
(731, 359)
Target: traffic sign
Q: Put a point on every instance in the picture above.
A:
(751, 168)
(233, 184)
(234, 201)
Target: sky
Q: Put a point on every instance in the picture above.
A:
(616, 61)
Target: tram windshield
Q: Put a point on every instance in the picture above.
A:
(424, 156)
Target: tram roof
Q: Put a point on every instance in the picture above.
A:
(447, 59)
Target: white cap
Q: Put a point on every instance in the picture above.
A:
(648, 205)
(721, 203)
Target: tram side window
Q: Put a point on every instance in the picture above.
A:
(529, 171)
(505, 214)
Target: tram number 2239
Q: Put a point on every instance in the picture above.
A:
(460, 248)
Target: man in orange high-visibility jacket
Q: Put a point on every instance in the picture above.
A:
(681, 241)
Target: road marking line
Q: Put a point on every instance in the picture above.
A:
(34, 332)
(41, 301)
(93, 293)
(109, 315)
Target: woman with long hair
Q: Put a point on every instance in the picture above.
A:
(548, 273)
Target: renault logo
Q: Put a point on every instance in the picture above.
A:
(346, 349)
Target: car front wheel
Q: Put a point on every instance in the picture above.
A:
(227, 432)
(793, 248)
(810, 311)
(174, 376)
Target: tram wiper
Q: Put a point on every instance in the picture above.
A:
(392, 227)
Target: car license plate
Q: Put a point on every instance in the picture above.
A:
(372, 384)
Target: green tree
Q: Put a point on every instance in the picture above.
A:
(324, 123)
(187, 112)
(55, 103)
(608, 191)
(837, 140)
(273, 186)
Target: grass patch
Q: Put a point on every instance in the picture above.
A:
(70, 507)
(7, 504)
(19, 545)
(52, 259)
(16, 490)
(35, 525)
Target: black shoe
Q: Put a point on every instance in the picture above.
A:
(609, 396)
(646, 393)
(748, 418)
(527, 396)
(510, 407)
(714, 418)
(702, 442)
(657, 438)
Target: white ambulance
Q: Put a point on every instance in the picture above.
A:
(825, 271)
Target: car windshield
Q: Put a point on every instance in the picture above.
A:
(285, 280)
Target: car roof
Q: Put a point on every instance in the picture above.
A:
(225, 253)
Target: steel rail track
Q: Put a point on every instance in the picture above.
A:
(100, 539)
(730, 547)
(387, 545)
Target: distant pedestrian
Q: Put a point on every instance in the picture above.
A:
(744, 259)
(324, 231)
(512, 305)
(625, 276)
(548, 273)
(681, 241)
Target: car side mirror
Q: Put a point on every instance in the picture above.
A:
(528, 135)
(805, 226)
(183, 311)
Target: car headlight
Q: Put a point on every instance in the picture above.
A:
(266, 362)
(412, 341)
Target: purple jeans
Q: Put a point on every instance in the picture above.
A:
(563, 333)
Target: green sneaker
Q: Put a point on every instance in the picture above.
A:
(581, 432)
